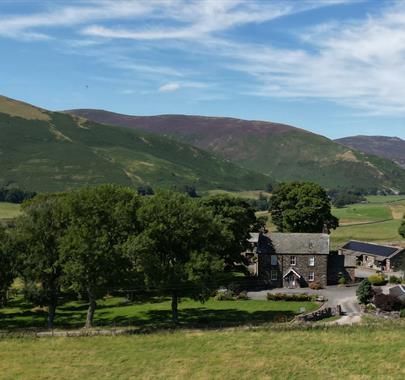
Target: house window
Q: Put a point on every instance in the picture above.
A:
(273, 275)
(311, 276)
(293, 260)
(273, 260)
(311, 261)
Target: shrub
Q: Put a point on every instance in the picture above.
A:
(315, 285)
(377, 279)
(342, 280)
(225, 295)
(387, 302)
(290, 297)
(402, 313)
(242, 296)
(364, 292)
(394, 280)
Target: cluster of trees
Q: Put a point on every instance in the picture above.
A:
(15, 195)
(95, 240)
(401, 230)
(302, 207)
(341, 198)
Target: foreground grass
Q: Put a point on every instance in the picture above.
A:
(9, 210)
(360, 352)
(155, 314)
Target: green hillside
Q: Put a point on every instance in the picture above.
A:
(51, 151)
(281, 151)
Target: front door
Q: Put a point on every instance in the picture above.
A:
(292, 281)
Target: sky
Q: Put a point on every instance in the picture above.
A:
(334, 67)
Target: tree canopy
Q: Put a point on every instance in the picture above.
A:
(99, 221)
(6, 265)
(36, 238)
(302, 207)
(177, 248)
(239, 220)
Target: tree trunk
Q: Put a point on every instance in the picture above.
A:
(175, 311)
(90, 310)
(51, 314)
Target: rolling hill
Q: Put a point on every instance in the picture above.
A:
(392, 148)
(51, 151)
(281, 151)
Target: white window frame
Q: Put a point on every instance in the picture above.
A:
(273, 260)
(273, 275)
(293, 261)
(311, 261)
(311, 276)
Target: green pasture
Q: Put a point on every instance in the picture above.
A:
(348, 352)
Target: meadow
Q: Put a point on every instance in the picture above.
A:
(337, 352)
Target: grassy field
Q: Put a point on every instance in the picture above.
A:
(9, 210)
(358, 352)
(156, 314)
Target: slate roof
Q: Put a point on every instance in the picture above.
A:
(294, 243)
(372, 249)
(398, 291)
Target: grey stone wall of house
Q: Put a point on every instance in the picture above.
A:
(395, 262)
(267, 270)
(337, 268)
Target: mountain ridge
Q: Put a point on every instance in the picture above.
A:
(284, 152)
(389, 147)
(43, 150)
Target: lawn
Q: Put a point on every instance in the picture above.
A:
(9, 210)
(358, 352)
(156, 314)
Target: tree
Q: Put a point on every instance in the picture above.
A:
(6, 265)
(176, 251)
(36, 238)
(302, 207)
(365, 292)
(401, 230)
(239, 220)
(99, 221)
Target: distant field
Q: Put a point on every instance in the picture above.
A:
(385, 232)
(361, 213)
(9, 210)
(358, 352)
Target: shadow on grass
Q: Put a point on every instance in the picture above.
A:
(72, 316)
(198, 317)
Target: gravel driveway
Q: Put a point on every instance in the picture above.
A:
(345, 297)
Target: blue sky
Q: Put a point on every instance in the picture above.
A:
(333, 67)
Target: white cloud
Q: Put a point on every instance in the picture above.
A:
(360, 64)
(175, 86)
(169, 87)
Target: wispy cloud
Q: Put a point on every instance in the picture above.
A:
(169, 87)
(175, 86)
(358, 64)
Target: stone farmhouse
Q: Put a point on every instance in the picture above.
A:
(296, 260)
(385, 258)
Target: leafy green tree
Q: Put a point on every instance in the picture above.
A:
(239, 220)
(99, 221)
(176, 251)
(36, 239)
(365, 292)
(302, 207)
(6, 265)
